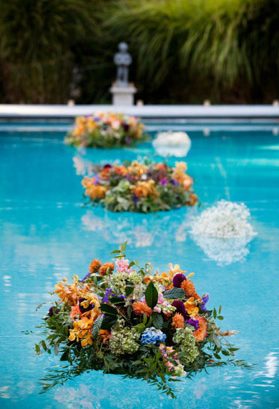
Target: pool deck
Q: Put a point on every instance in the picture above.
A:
(183, 113)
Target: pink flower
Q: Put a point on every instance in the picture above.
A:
(122, 265)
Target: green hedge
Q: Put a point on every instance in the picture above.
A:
(184, 51)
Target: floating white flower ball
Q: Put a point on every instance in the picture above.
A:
(223, 231)
(224, 220)
(172, 144)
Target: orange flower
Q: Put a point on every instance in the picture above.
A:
(189, 289)
(82, 331)
(106, 268)
(201, 333)
(178, 321)
(193, 199)
(96, 192)
(75, 311)
(67, 293)
(120, 170)
(104, 335)
(94, 266)
(140, 308)
(187, 183)
(191, 307)
(147, 279)
(145, 189)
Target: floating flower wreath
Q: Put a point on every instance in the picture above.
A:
(105, 130)
(140, 187)
(122, 319)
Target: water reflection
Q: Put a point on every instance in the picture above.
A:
(223, 251)
(142, 231)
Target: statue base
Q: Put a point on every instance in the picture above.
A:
(123, 95)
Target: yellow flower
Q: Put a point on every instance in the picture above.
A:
(191, 307)
(82, 331)
(145, 189)
(96, 192)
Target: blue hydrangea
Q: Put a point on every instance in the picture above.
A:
(152, 336)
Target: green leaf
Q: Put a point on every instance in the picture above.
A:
(157, 320)
(37, 349)
(108, 322)
(65, 355)
(220, 317)
(139, 327)
(116, 300)
(151, 295)
(129, 290)
(109, 310)
(174, 293)
(97, 326)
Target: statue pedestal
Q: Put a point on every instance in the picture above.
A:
(123, 95)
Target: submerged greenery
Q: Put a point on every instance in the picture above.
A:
(183, 50)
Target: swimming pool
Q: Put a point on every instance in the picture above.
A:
(46, 233)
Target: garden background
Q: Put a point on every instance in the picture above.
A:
(184, 51)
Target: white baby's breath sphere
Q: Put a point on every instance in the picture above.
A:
(223, 231)
(172, 144)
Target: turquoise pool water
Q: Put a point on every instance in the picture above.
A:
(46, 233)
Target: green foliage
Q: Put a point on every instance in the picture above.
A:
(183, 50)
(203, 48)
(151, 295)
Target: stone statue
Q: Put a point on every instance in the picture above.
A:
(122, 60)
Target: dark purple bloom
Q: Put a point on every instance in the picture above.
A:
(125, 126)
(178, 279)
(193, 322)
(108, 293)
(164, 181)
(174, 182)
(135, 199)
(205, 299)
(180, 308)
(107, 166)
(53, 310)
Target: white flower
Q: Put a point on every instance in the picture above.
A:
(223, 232)
(224, 220)
(172, 144)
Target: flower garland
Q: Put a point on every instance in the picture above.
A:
(140, 187)
(120, 318)
(105, 130)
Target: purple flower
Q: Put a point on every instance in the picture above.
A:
(178, 279)
(180, 308)
(135, 199)
(193, 322)
(85, 277)
(53, 310)
(174, 182)
(108, 293)
(164, 181)
(205, 299)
